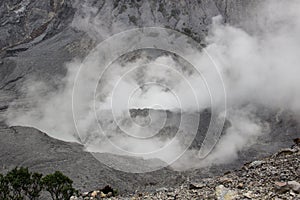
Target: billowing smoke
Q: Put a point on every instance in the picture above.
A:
(259, 68)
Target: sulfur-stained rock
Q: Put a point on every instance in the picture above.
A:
(102, 195)
(223, 193)
(94, 193)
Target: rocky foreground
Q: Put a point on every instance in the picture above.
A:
(274, 177)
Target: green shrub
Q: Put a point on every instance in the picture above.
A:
(133, 19)
(35, 187)
(122, 9)
(161, 8)
(59, 186)
(4, 188)
(175, 13)
(19, 184)
(187, 31)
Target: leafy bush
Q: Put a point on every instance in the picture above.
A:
(175, 13)
(187, 31)
(59, 186)
(19, 181)
(4, 188)
(122, 9)
(133, 19)
(161, 8)
(19, 184)
(35, 187)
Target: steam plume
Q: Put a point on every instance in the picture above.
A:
(258, 68)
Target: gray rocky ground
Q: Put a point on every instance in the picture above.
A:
(272, 177)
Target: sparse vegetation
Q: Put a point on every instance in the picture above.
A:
(175, 13)
(116, 3)
(122, 9)
(59, 186)
(20, 184)
(187, 31)
(161, 8)
(35, 186)
(133, 19)
(4, 189)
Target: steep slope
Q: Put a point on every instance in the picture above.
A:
(38, 38)
(22, 146)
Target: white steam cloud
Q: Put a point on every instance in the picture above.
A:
(261, 68)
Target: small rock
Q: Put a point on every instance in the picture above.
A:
(281, 187)
(73, 198)
(240, 186)
(280, 184)
(245, 168)
(225, 180)
(294, 185)
(110, 194)
(94, 193)
(195, 186)
(102, 195)
(276, 198)
(256, 163)
(163, 189)
(85, 194)
(223, 193)
(292, 193)
(249, 195)
(171, 194)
